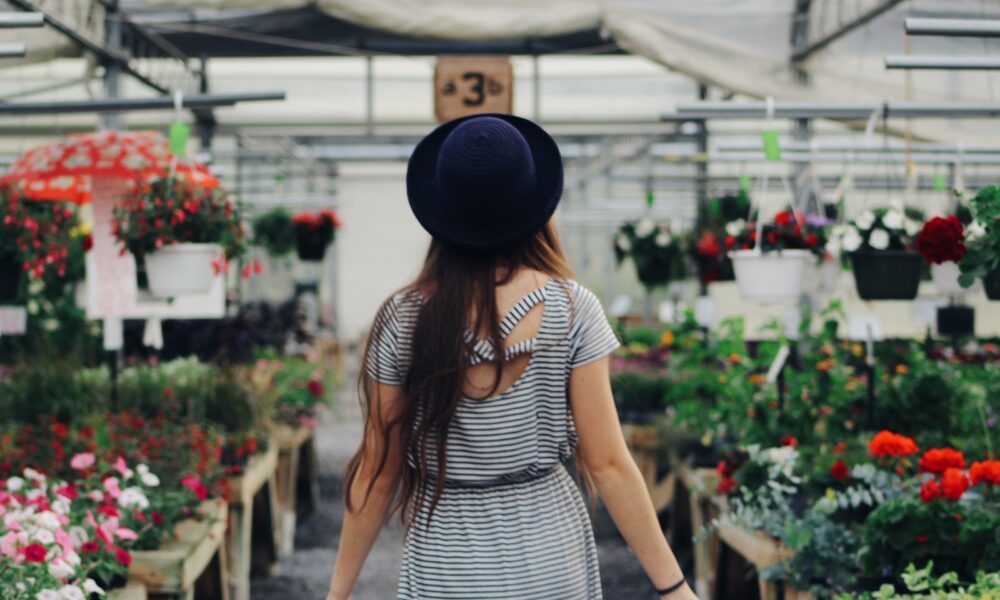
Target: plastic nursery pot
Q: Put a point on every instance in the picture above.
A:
(182, 269)
(309, 249)
(653, 273)
(956, 321)
(887, 274)
(771, 276)
(11, 275)
(991, 283)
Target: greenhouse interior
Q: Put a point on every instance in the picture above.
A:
(518, 300)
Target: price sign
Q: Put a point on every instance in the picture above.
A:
(466, 85)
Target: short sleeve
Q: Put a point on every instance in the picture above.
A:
(383, 361)
(591, 336)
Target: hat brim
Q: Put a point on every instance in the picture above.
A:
(421, 189)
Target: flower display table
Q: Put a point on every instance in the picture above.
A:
(700, 485)
(641, 440)
(195, 558)
(133, 591)
(296, 480)
(251, 541)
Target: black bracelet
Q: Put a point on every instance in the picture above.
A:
(672, 588)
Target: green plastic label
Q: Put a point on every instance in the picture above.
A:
(179, 134)
(940, 182)
(772, 148)
(649, 198)
(745, 183)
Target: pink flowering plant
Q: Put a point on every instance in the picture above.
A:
(296, 387)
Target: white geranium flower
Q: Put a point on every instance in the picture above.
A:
(879, 239)
(44, 537)
(78, 535)
(34, 475)
(48, 520)
(14, 484)
(893, 219)
(71, 592)
(623, 243)
(142, 469)
(644, 228)
(149, 479)
(133, 497)
(912, 227)
(90, 586)
(60, 570)
(663, 239)
(974, 231)
(734, 228)
(865, 220)
(71, 558)
(780, 455)
(851, 240)
(61, 506)
(48, 595)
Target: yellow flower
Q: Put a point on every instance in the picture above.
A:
(723, 379)
(857, 349)
(706, 440)
(830, 494)
(81, 230)
(668, 338)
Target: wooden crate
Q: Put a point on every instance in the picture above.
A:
(195, 557)
(251, 538)
(133, 591)
(296, 473)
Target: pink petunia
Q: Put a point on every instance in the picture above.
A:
(112, 488)
(123, 533)
(82, 461)
(121, 467)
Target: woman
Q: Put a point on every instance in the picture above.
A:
(482, 378)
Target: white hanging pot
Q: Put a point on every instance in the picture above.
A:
(771, 277)
(945, 278)
(182, 269)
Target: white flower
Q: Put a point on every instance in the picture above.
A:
(142, 469)
(97, 496)
(780, 455)
(663, 239)
(865, 220)
(879, 239)
(34, 475)
(21, 587)
(78, 535)
(132, 497)
(14, 484)
(623, 243)
(974, 231)
(48, 520)
(71, 558)
(71, 592)
(90, 586)
(44, 537)
(60, 570)
(852, 239)
(644, 228)
(149, 479)
(912, 227)
(61, 505)
(48, 595)
(734, 228)
(893, 219)
(127, 475)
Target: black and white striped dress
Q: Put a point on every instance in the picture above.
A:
(511, 523)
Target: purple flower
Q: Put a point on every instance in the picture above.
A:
(819, 220)
(991, 422)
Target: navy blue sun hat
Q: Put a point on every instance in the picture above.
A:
(485, 181)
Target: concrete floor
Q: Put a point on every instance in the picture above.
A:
(304, 575)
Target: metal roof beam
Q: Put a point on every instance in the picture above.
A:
(862, 19)
(807, 110)
(19, 20)
(943, 63)
(133, 104)
(952, 27)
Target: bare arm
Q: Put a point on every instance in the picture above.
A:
(616, 476)
(363, 524)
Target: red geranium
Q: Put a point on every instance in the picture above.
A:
(887, 443)
(34, 553)
(790, 440)
(987, 470)
(938, 460)
(708, 245)
(90, 547)
(727, 485)
(122, 557)
(315, 388)
(930, 491)
(839, 470)
(954, 483)
(942, 240)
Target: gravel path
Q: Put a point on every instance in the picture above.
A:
(304, 574)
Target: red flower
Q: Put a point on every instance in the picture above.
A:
(67, 491)
(930, 491)
(60, 430)
(90, 547)
(937, 460)
(194, 484)
(722, 469)
(840, 448)
(86, 433)
(942, 240)
(922, 539)
(987, 470)
(708, 245)
(839, 470)
(789, 440)
(783, 219)
(157, 518)
(109, 510)
(122, 557)
(315, 388)
(954, 483)
(34, 553)
(727, 485)
(887, 443)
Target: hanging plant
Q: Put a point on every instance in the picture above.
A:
(654, 250)
(982, 240)
(786, 232)
(707, 246)
(183, 233)
(880, 245)
(314, 232)
(274, 232)
(35, 238)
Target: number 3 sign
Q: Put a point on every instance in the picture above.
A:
(465, 85)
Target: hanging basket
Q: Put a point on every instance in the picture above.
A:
(653, 272)
(11, 275)
(182, 269)
(771, 277)
(945, 278)
(887, 274)
(991, 283)
(310, 249)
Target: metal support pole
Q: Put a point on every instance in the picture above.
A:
(803, 192)
(112, 69)
(204, 118)
(810, 110)
(369, 95)
(952, 27)
(13, 50)
(943, 63)
(20, 20)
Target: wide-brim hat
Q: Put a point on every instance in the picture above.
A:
(485, 181)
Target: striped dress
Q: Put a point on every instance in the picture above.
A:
(511, 523)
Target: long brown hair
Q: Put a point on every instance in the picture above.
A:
(459, 291)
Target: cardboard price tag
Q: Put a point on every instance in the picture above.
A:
(779, 363)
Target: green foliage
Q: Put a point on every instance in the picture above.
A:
(647, 337)
(639, 392)
(923, 583)
(273, 231)
(983, 252)
(48, 388)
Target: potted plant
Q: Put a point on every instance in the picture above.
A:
(184, 234)
(274, 232)
(982, 258)
(314, 232)
(772, 268)
(941, 243)
(707, 248)
(880, 246)
(34, 239)
(654, 250)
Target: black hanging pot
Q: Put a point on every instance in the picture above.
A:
(956, 321)
(653, 271)
(887, 274)
(991, 283)
(310, 249)
(11, 275)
